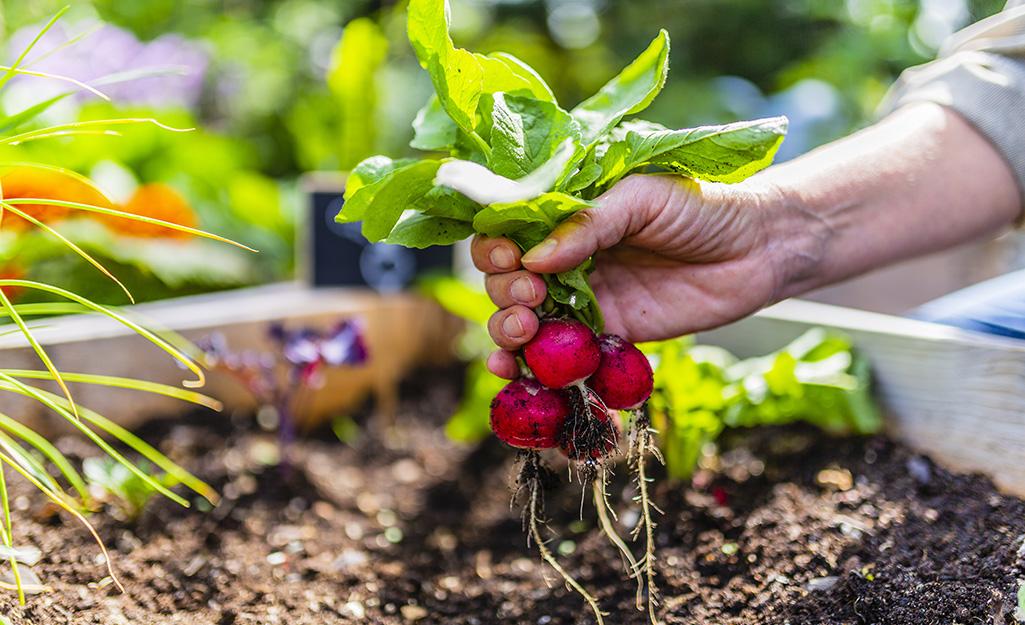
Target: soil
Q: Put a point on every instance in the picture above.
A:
(784, 525)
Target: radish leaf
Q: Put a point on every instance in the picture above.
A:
(526, 133)
(421, 230)
(372, 170)
(518, 164)
(629, 92)
(728, 153)
(527, 222)
(381, 204)
(433, 129)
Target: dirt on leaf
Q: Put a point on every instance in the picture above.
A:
(783, 525)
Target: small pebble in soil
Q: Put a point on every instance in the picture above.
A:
(355, 610)
(276, 558)
(413, 612)
(821, 583)
(920, 469)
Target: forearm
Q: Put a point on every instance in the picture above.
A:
(919, 181)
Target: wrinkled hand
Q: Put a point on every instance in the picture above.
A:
(672, 257)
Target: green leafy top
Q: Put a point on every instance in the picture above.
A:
(516, 163)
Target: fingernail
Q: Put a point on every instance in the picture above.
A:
(512, 327)
(502, 258)
(541, 251)
(522, 290)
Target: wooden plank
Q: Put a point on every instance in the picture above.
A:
(955, 395)
(402, 332)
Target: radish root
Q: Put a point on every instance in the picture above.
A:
(642, 444)
(531, 479)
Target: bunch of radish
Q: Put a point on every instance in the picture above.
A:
(574, 383)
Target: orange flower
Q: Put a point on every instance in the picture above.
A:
(156, 200)
(11, 272)
(27, 181)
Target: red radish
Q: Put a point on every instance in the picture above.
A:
(564, 352)
(591, 433)
(624, 380)
(527, 415)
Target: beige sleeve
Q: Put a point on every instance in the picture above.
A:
(980, 75)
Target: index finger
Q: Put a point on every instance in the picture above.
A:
(494, 255)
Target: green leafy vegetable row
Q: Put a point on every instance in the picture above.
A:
(701, 390)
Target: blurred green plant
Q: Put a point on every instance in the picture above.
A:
(32, 196)
(113, 484)
(700, 390)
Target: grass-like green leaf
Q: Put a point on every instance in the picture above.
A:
(81, 85)
(60, 406)
(27, 461)
(84, 127)
(49, 451)
(160, 342)
(10, 122)
(118, 213)
(46, 308)
(12, 70)
(36, 347)
(71, 245)
(71, 510)
(119, 382)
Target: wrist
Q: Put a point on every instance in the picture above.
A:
(796, 237)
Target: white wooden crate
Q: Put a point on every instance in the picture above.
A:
(955, 395)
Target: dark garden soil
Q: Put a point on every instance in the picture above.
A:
(787, 525)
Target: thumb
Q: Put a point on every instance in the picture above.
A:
(583, 233)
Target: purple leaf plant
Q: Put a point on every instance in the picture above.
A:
(284, 378)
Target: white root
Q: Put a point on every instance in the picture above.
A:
(645, 445)
(533, 512)
(631, 564)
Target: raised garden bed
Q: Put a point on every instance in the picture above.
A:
(788, 525)
(785, 525)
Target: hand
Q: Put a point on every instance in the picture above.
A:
(672, 257)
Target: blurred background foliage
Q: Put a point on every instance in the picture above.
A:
(274, 89)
